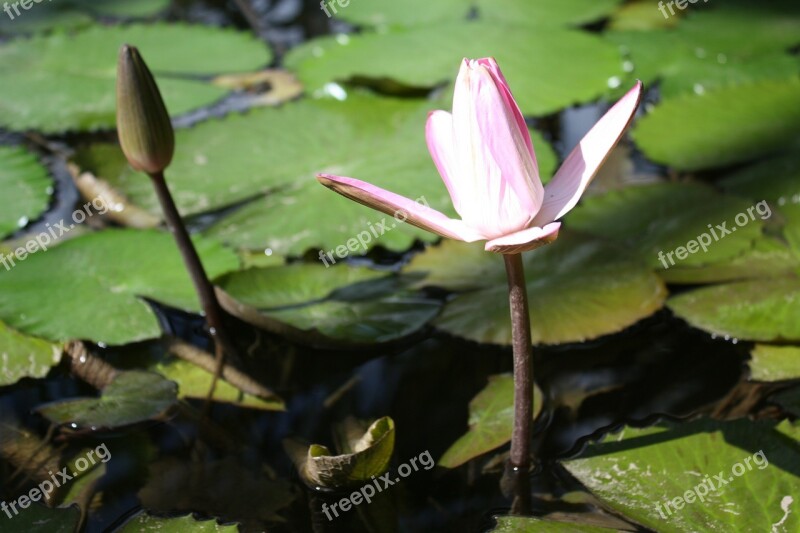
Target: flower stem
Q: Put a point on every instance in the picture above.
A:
(205, 291)
(523, 362)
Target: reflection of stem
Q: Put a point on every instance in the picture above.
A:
(205, 291)
(523, 364)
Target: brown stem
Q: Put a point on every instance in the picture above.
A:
(523, 362)
(205, 291)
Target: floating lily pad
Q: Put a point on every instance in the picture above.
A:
(132, 397)
(525, 524)
(91, 287)
(26, 189)
(146, 522)
(319, 306)
(366, 457)
(39, 518)
(547, 68)
(72, 14)
(223, 162)
(491, 421)
(654, 221)
(579, 288)
(691, 132)
(654, 475)
(766, 258)
(776, 180)
(762, 310)
(22, 356)
(639, 15)
(775, 363)
(419, 12)
(178, 55)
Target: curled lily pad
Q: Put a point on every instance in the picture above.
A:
(366, 457)
(579, 288)
(491, 420)
(143, 521)
(22, 356)
(26, 189)
(765, 310)
(748, 472)
(86, 96)
(132, 397)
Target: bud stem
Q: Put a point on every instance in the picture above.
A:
(205, 291)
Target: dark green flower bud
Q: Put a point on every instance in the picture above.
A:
(145, 131)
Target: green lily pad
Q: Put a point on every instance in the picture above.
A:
(691, 132)
(768, 257)
(39, 518)
(491, 421)
(283, 286)
(659, 219)
(85, 100)
(764, 310)
(26, 189)
(60, 294)
(195, 382)
(223, 162)
(530, 55)
(655, 475)
(74, 14)
(146, 522)
(322, 307)
(579, 288)
(132, 397)
(776, 180)
(639, 15)
(420, 12)
(775, 363)
(704, 50)
(366, 457)
(22, 356)
(525, 524)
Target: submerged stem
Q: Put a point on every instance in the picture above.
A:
(523, 362)
(205, 291)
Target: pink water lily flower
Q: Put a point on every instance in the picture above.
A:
(484, 154)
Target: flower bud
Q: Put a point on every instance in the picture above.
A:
(143, 124)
